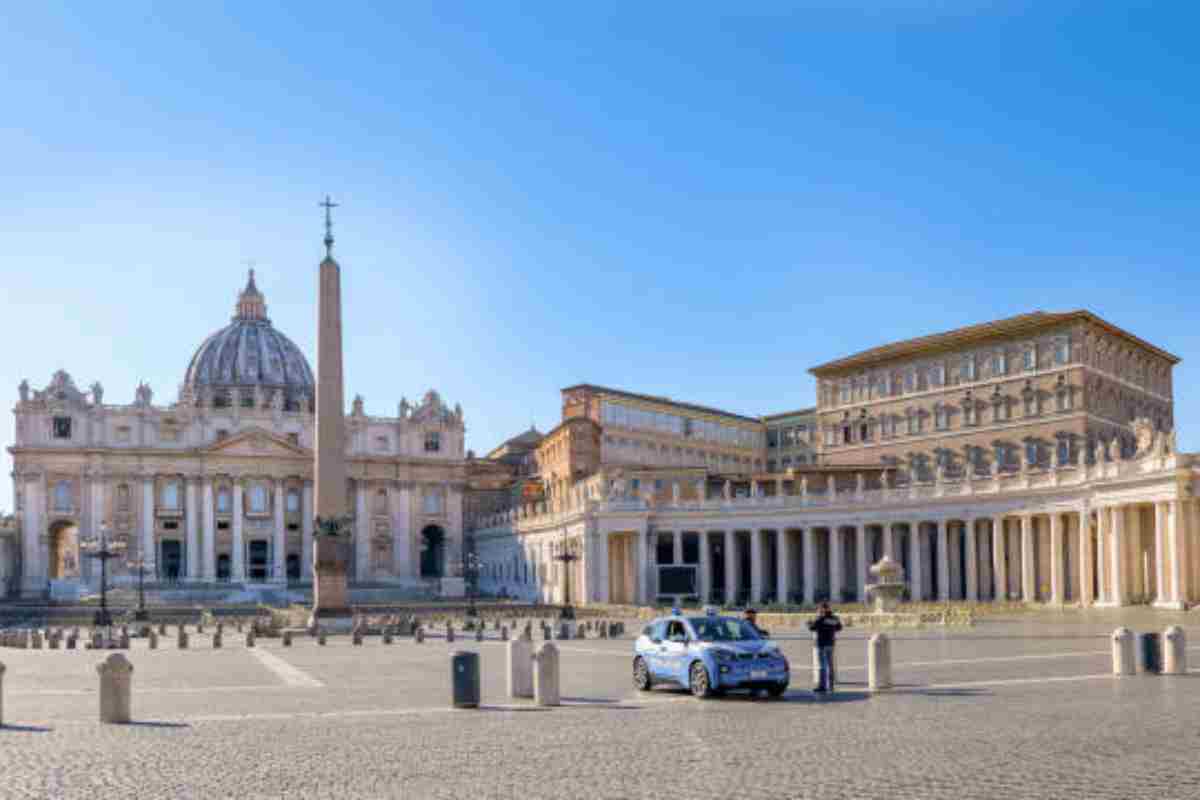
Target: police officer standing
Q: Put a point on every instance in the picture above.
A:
(825, 629)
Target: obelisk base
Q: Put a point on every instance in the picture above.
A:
(331, 612)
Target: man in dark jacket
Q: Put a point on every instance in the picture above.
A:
(825, 628)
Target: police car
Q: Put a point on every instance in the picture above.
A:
(709, 655)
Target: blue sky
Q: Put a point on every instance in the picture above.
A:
(684, 200)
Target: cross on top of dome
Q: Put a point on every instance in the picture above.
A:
(251, 304)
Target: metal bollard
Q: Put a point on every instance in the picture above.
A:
(520, 668)
(1124, 662)
(1174, 651)
(1149, 652)
(116, 690)
(545, 675)
(464, 679)
(879, 663)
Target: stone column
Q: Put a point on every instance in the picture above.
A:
(1161, 590)
(362, 535)
(810, 564)
(1178, 551)
(402, 531)
(972, 549)
(999, 567)
(860, 542)
(210, 530)
(756, 566)
(1084, 568)
(641, 567)
(889, 548)
(1028, 582)
(1118, 565)
(279, 540)
(836, 569)
(784, 586)
(705, 569)
(306, 532)
(677, 548)
(1057, 573)
(730, 567)
(193, 534)
(33, 524)
(943, 565)
(1103, 553)
(237, 560)
(99, 484)
(916, 577)
(147, 549)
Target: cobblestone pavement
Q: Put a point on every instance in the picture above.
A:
(1008, 709)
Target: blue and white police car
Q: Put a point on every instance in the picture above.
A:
(709, 655)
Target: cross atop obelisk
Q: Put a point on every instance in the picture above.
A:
(331, 547)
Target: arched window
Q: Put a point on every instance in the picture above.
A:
(223, 501)
(62, 496)
(293, 501)
(258, 499)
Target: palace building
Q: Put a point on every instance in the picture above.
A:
(1032, 458)
(215, 488)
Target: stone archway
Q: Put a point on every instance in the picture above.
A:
(64, 551)
(433, 551)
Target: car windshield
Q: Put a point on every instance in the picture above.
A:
(723, 629)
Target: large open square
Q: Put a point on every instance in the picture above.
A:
(1006, 709)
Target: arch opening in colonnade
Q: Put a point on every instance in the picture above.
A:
(64, 550)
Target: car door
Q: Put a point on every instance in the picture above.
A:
(675, 652)
(656, 650)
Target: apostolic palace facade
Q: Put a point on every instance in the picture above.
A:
(1030, 458)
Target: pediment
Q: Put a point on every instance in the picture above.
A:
(257, 442)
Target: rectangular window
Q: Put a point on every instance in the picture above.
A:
(293, 502)
(937, 375)
(1029, 359)
(968, 368)
(910, 381)
(433, 441)
(62, 427)
(845, 390)
(1062, 351)
(1030, 404)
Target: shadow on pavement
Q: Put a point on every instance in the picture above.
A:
(155, 724)
(25, 728)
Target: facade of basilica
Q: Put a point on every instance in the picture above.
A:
(216, 487)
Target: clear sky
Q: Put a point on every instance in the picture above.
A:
(675, 198)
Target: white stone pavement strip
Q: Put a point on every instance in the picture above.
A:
(289, 674)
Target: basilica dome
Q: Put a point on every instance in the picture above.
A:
(250, 354)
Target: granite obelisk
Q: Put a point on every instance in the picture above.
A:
(331, 542)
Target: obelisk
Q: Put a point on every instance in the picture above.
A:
(331, 539)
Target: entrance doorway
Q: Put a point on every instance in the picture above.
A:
(293, 567)
(259, 560)
(433, 551)
(172, 560)
(223, 568)
(64, 550)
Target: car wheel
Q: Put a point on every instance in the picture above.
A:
(777, 689)
(698, 681)
(641, 675)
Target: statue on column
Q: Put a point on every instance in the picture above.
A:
(727, 491)
(859, 483)
(97, 394)
(804, 486)
(675, 493)
(357, 406)
(23, 390)
(832, 484)
(277, 402)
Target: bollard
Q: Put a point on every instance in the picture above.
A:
(35, 639)
(879, 663)
(356, 637)
(564, 632)
(449, 632)
(116, 678)
(72, 640)
(1149, 653)
(162, 629)
(181, 639)
(217, 640)
(479, 634)
(287, 638)
(1174, 651)
(418, 634)
(504, 633)
(250, 638)
(545, 675)
(387, 635)
(53, 640)
(527, 631)
(603, 630)
(464, 679)
(123, 642)
(520, 668)
(321, 639)
(1124, 662)
(152, 639)
(2, 668)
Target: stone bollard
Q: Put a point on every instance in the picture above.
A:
(181, 638)
(479, 634)
(54, 640)
(250, 638)
(1124, 662)
(387, 635)
(520, 668)
(603, 630)
(581, 632)
(2, 668)
(287, 638)
(116, 690)
(152, 639)
(321, 640)
(72, 640)
(527, 631)
(35, 639)
(1174, 651)
(879, 663)
(418, 634)
(545, 675)
(218, 638)
(162, 629)
(239, 625)
(504, 633)
(123, 642)
(356, 637)
(449, 631)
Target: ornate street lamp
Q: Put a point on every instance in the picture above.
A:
(142, 565)
(471, 568)
(103, 549)
(566, 551)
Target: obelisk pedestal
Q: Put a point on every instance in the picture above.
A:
(332, 548)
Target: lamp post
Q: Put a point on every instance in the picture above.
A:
(103, 549)
(566, 551)
(141, 565)
(471, 567)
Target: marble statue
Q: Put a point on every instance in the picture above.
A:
(97, 393)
